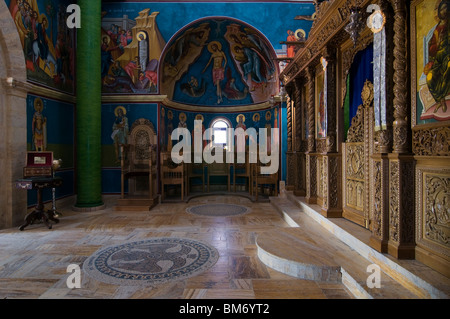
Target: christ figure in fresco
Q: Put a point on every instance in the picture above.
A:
(219, 63)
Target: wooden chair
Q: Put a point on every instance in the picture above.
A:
(195, 171)
(219, 169)
(263, 179)
(172, 174)
(139, 166)
(242, 170)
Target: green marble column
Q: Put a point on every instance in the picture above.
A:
(88, 111)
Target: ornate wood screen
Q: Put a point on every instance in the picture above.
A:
(357, 151)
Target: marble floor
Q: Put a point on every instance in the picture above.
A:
(33, 263)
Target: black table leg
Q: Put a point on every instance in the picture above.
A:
(38, 214)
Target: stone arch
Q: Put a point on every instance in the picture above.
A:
(13, 120)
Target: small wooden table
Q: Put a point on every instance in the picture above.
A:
(39, 212)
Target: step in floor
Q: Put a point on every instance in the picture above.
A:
(308, 250)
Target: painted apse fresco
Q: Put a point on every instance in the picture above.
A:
(48, 44)
(219, 61)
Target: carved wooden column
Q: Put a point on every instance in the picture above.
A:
(311, 156)
(290, 178)
(331, 160)
(401, 162)
(379, 163)
(299, 124)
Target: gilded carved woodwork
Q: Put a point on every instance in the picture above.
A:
(432, 141)
(324, 176)
(432, 211)
(432, 233)
(436, 214)
(311, 109)
(334, 194)
(311, 178)
(331, 18)
(400, 66)
(401, 208)
(377, 229)
(356, 131)
(329, 55)
(289, 122)
(394, 202)
(356, 158)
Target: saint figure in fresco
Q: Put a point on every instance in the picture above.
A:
(437, 70)
(290, 47)
(199, 129)
(240, 119)
(120, 130)
(106, 57)
(143, 50)
(39, 127)
(256, 118)
(219, 63)
(268, 127)
(182, 123)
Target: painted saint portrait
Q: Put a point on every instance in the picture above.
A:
(432, 61)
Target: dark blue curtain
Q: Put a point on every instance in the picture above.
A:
(360, 71)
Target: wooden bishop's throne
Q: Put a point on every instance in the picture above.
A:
(139, 168)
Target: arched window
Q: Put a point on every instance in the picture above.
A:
(219, 129)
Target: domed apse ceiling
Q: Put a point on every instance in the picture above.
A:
(219, 61)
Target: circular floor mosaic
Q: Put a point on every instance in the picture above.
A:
(151, 261)
(218, 210)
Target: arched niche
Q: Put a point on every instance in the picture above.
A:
(218, 63)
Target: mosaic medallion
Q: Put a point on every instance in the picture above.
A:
(218, 210)
(152, 261)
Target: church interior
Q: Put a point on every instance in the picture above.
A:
(127, 174)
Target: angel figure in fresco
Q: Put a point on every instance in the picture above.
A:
(253, 57)
(120, 130)
(39, 127)
(219, 63)
(437, 70)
